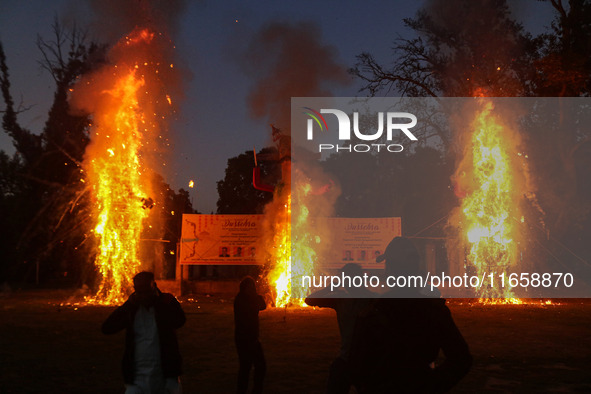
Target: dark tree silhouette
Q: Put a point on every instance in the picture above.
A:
(565, 62)
(166, 218)
(51, 206)
(44, 201)
(560, 151)
(236, 192)
(456, 52)
(464, 48)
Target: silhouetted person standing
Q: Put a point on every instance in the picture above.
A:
(396, 344)
(348, 303)
(152, 361)
(247, 305)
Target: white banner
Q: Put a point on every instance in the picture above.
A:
(221, 239)
(235, 239)
(360, 240)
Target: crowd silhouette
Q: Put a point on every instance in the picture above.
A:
(390, 343)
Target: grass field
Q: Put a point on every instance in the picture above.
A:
(48, 348)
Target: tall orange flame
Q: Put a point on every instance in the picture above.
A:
(280, 274)
(116, 176)
(292, 245)
(491, 203)
(124, 134)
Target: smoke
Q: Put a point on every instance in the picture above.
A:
(115, 18)
(152, 59)
(289, 60)
(116, 21)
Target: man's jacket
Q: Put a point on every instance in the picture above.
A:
(169, 316)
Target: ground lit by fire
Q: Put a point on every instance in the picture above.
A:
(299, 346)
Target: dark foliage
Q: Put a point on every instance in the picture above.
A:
(466, 48)
(44, 201)
(236, 193)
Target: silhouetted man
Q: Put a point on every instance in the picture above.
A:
(247, 305)
(152, 361)
(396, 344)
(348, 303)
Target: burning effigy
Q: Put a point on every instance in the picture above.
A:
(129, 103)
(489, 182)
(281, 50)
(278, 228)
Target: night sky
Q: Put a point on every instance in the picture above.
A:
(214, 122)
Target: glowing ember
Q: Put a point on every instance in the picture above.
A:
(490, 202)
(191, 184)
(503, 301)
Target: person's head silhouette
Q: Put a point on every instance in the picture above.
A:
(402, 258)
(248, 286)
(145, 287)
